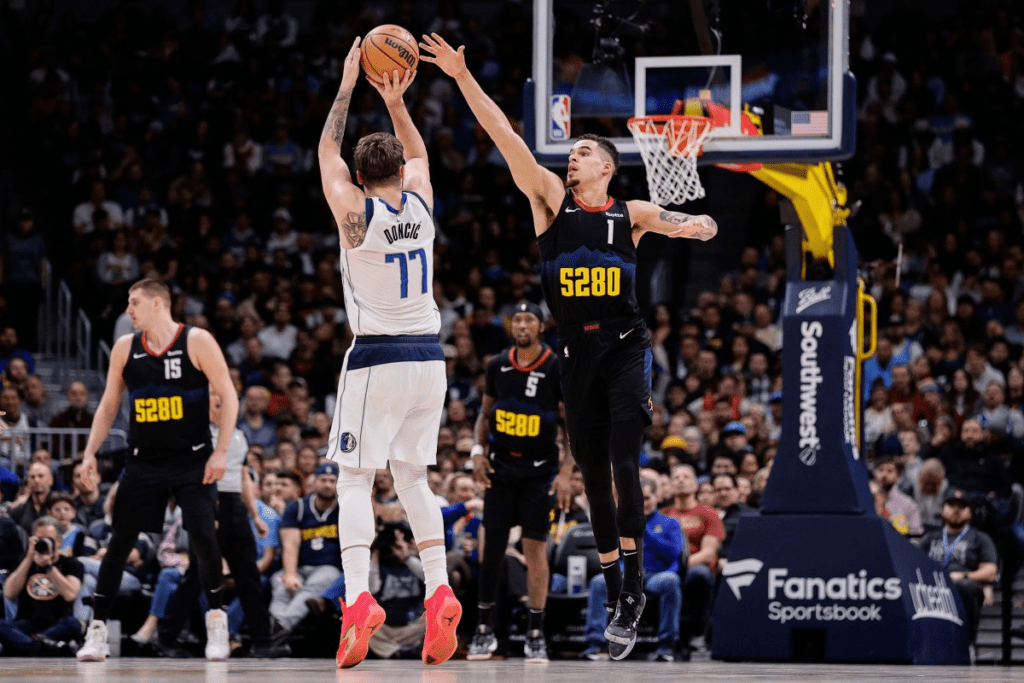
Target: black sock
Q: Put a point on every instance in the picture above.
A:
(484, 615)
(613, 579)
(536, 622)
(215, 597)
(101, 607)
(632, 579)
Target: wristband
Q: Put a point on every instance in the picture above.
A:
(476, 450)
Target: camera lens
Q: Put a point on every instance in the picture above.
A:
(44, 546)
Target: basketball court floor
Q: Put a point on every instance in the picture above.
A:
(322, 671)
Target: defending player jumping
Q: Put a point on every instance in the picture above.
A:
(588, 241)
(392, 387)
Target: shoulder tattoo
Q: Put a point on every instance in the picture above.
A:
(354, 227)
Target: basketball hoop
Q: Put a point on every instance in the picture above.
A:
(669, 146)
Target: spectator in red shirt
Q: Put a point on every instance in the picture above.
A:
(704, 532)
(903, 391)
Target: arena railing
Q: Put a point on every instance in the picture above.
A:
(63, 443)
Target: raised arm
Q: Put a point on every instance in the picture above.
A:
(343, 196)
(544, 189)
(649, 217)
(417, 168)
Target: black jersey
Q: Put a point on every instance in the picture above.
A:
(524, 421)
(588, 263)
(168, 398)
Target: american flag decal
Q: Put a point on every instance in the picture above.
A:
(809, 122)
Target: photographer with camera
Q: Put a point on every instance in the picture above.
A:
(45, 586)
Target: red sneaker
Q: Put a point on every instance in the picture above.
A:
(359, 622)
(443, 614)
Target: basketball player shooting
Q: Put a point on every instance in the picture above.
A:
(392, 387)
(588, 241)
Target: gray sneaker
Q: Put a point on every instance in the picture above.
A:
(535, 650)
(483, 644)
(621, 631)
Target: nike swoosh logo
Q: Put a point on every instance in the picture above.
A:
(139, 355)
(623, 335)
(174, 353)
(196, 448)
(506, 368)
(538, 463)
(571, 210)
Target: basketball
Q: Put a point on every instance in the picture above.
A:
(387, 48)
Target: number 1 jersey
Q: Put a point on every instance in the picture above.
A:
(388, 279)
(588, 263)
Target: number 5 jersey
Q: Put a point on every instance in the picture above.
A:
(524, 420)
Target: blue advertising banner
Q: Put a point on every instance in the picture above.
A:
(849, 585)
(818, 466)
(819, 575)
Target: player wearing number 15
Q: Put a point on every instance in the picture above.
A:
(392, 386)
(168, 369)
(587, 243)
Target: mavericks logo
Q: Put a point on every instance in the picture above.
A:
(347, 442)
(810, 378)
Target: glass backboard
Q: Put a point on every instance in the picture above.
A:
(780, 63)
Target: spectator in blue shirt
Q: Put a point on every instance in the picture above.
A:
(310, 550)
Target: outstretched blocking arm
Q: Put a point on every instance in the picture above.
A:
(343, 196)
(541, 186)
(417, 168)
(649, 217)
(109, 407)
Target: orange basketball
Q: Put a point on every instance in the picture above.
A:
(387, 48)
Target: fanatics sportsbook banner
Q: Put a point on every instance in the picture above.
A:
(835, 588)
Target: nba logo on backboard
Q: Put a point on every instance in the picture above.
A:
(559, 117)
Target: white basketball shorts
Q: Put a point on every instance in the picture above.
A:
(388, 412)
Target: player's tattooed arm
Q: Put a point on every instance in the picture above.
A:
(677, 217)
(649, 217)
(354, 227)
(334, 127)
(681, 224)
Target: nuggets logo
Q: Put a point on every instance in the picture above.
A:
(40, 587)
(347, 442)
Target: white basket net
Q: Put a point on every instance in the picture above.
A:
(669, 146)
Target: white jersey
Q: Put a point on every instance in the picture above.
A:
(388, 279)
(238, 449)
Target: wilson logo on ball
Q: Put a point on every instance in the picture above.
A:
(403, 53)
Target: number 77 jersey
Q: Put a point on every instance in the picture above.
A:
(388, 278)
(588, 263)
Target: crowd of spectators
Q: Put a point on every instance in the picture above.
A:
(183, 150)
